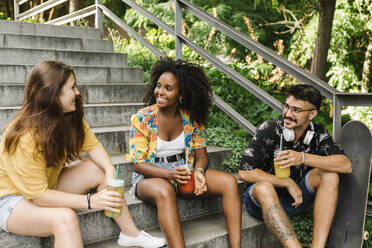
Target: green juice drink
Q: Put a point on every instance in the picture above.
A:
(118, 186)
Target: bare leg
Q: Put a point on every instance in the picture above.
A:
(159, 192)
(273, 214)
(86, 175)
(326, 184)
(60, 222)
(221, 183)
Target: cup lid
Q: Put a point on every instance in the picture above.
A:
(116, 182)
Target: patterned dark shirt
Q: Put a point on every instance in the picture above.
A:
(260, 151)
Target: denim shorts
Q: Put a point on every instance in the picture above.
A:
(285, 199)
(137, 177)
(7, 204)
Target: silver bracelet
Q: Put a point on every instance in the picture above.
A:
(201, 169)
(303, 157)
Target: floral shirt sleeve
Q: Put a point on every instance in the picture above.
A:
(139, 140)
(199, 140)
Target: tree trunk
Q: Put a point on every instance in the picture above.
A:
(41, 15)
(326, 13)
(367, 68)
(72, 8)
(8, 11)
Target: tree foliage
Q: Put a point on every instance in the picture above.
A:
(350, 36)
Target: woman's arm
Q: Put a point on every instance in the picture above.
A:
(101, 200)
(201, 159)
(179, 174)
(149, 170)
(101, 158)
(201, 166)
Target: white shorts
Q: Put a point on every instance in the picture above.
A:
(7, 204)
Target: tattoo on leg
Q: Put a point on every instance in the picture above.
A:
(277, 222)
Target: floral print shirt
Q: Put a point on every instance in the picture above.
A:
(260, 151)
(143, 138)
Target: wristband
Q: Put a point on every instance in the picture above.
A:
(88, 200)
(201, 169)
(303, 157)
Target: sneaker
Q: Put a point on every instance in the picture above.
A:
(143, 239)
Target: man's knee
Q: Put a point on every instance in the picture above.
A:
(264, 192)
(320, 177)
(331, 179)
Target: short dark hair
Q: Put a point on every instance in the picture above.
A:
(306, 93)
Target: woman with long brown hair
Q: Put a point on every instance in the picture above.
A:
(169, 133)
(42, 175)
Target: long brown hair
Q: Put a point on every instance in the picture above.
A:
(59, 136)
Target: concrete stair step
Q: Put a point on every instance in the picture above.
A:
(203, 232)
(13, 94)
(95, 226)
(20, 56)
(113, 138)
(210, 232)
(50, 42)
(15, 27)
(85, 74)
(104, 114)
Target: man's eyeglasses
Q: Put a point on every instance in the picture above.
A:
(295, 110)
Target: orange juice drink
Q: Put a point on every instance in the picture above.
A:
(118, 186)
(281, 173)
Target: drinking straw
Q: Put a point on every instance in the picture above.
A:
(117, 171)
(281, 141)
(187, 155)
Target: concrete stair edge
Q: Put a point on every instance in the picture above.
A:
(13, 94)
(210, 232)
(17, 27)
(84, 74)
(14, 56)
(27, 41)
(95, 114)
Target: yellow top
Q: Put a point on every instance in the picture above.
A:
(25, 172)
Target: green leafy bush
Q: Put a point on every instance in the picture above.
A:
(303, 226)
(2, 17)
(368, 227)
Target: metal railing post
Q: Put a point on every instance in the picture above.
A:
(178, 26)
(16, 10)
(337, 105)
(99, 18)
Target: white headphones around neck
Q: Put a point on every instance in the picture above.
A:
(288, 134)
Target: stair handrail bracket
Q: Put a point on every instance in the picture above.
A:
(339, 99)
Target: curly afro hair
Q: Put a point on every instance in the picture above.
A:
(194, 87)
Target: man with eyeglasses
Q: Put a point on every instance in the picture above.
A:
(314, 161)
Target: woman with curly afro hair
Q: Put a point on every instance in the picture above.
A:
(169, 133)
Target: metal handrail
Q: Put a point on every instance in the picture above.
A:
(131, 31)
(37, 9)
(339, 98)
(88, 11)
